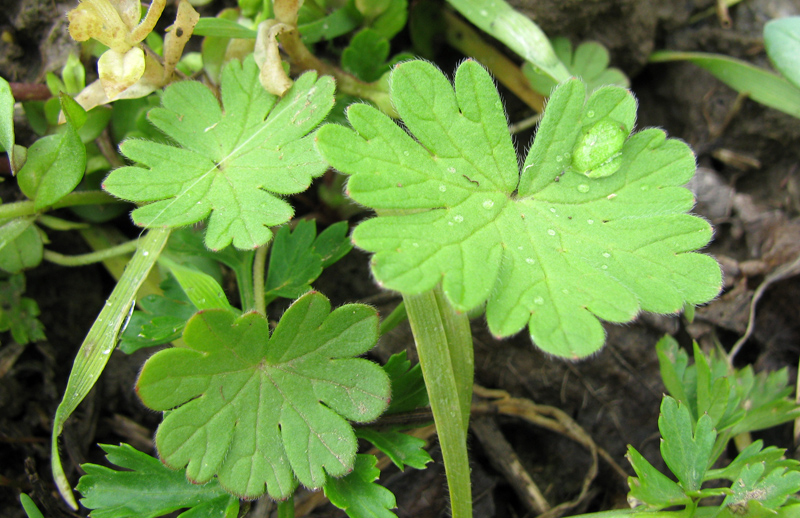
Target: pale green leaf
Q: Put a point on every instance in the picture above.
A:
(782, 41)
(146, 488)
(261, 412)
(6, 119)
(760, 85)
(30, 506)
(358, 494)
(21, 245)
(233, 162)
(549, 248)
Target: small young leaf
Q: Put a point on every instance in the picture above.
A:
(21, 245)
(589, 62)
(403, 449)
(55, 166)
(771, 489)
(17, 313)
(30, 506)
(146, 489)
(392, 20)
(549, 248)
(408, 386)
(651, 487)
(365, 56)
(256, 410)
(161, 319)
(232, 164)
(358, 494)
(686, 449)
(298, 257)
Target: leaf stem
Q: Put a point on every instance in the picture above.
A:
(26, 208)
(92, 257)
(395, 318)
(99, 342)
(286, 508)
(259, 267)
(444, 345)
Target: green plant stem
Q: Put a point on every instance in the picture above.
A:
(259, 267)
(100, 341)
(444, 345)
(92, 257)
(26, 208)
(395, 318)
(286, 508)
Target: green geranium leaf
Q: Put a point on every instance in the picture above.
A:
(259, 411)
(358, 494)
(298, 258)
(686, 449)
(148, 489)
(650, 487)
(403, 449)
(233, 162)
(17, 313)
(557, 246)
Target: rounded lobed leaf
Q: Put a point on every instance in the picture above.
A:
(547, 247)
(262, 412)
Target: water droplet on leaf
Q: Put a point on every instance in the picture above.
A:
(538, 300)
(442, 188)
(458, 218)
(583, 187)
(488, 204)
(551, 232)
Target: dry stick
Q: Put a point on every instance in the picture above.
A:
(555, 420)
(505, 460)
(784, 271)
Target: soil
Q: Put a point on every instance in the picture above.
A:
(748, 186)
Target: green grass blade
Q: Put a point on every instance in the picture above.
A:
(760, 85)
(100, 341)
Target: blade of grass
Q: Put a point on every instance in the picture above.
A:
(760, 85)
(100, 341)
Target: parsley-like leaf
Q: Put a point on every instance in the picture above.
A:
(259, 410)
(148, 489)
(358, 494)
(548, 247)
(686, 449)
(17, 313)
(233, 161)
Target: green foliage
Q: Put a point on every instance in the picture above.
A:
(56, 163)
(358, 494)
(402, 449)
(298, 258)
(408, 387)
(736, 402)
(232, 164)
(365, 57)
(256, 410)
(17, 313)
(548, 247)
(21, 244)
(161, 319)
(147, 489)
(761, 480)
(589, 62)
(782, 41)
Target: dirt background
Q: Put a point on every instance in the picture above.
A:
(748, 186)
